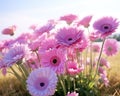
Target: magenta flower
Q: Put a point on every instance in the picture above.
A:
(85, 21)
(42, 82)
(111, 47)
(14, 55)
(73, 69)
(69, 18)
(55, 59)
(69, 36)
(72, 94)
(9, 31)
(106, 26)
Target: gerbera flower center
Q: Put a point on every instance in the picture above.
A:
(41, 83)
(106, 27)
(69, 39)
(55, 61)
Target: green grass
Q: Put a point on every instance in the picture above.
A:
(9, 85)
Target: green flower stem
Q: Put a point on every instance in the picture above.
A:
(98, 63)
(91, 60)
(19, 78)
(22, 72)
(62, 84)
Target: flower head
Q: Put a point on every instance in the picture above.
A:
(106, 26)
(73, 69)
(69, 18)
(72, 94)
(9, 31)
(47, 44)
(69, 36)
(85, 21)
(111, 47)
(42, 82)
(54, 59)
(45, 28)
(14, 55)
(96, 48)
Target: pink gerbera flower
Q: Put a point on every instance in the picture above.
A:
(9, 31)
(73, 69)
(14, 55)
(96, 48)
(106, 26)
(47, 45)
(85, 21)
(69, 36)
(72, 94)
(111, 47)
(55, 59)
(45, 28)
(69, 18)
(42, 82)
(104, 62)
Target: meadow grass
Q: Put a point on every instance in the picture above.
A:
(10, 86)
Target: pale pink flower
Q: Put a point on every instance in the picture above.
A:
(85, 21)
(55, 59)
(9, 31)
(106, 26)
(73, 69)
(69, 18)
(42, 82)
(82, 44)
(94, 36)
(72, 94)
(104, 62)
(102, 71)
(33, 27)
(96, 48)
(111, 47)
(45, 28)
(104, 79)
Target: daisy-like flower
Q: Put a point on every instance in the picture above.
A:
(104, 62)
(69, 36)
(47, 45)
(96, 48)
(85, 21)
(111, 47)
(73, 69)
(106, 26)
(45, 28)
(69, 18)
(72, 94)
(104, 79)
(42, 82)
(14, 55)
(9, 31)
(54, 59)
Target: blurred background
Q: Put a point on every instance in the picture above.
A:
(24, 13)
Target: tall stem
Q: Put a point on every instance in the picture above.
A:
(98, 63)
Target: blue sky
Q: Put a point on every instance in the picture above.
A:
(26, 12)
